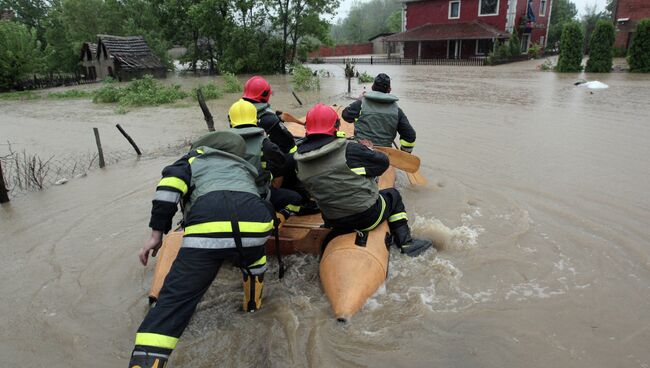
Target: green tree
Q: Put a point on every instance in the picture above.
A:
(394, 22)
(295, 19)
(60, 54)
(31, 13)
(571, 48)
(639, 58)
(562, 12)
(367, 19)
(19, 53)
(514, 45)
(601, 48)
(589, 20)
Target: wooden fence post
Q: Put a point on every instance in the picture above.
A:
(206, 112)
(4, 196)
(128, 138)
(296, 97)
(99, 148)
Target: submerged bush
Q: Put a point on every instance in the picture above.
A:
(304, 78)
(571, 48)
(231, 84)
(601, 48)
(140, 92)
(514, 46)
(639, 58)
(210, 91)
(366, 78)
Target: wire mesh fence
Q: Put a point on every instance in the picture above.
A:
(26, 172)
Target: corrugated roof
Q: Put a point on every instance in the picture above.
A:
(132, 52)
(449, 31)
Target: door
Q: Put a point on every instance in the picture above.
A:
(525, 42)
(453, 49)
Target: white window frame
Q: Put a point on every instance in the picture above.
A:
(542, 41)
(488, 15)
(542, 8)
(449, 11)
(476, 48)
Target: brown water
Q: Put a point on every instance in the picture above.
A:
(538, 204)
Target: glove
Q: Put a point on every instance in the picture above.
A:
(416, 247)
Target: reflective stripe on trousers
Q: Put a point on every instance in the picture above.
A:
(220, 243)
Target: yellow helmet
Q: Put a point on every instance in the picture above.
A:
(242, 113)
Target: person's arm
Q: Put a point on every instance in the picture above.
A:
(173, 186)
(277, 132)
(406, 132)
(352, 112)
(272, 157)
(364, 161)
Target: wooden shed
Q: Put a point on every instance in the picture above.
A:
(125, 58)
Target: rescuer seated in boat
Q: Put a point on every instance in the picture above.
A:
(224, 218)
(266, 156)
(258, 91)
(377, 117)
(340, 175)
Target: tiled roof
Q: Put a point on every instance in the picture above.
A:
(449, 31)
(132, 52)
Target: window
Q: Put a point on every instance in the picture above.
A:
(542, 8)
(483, 47)
(541, 41)
(454, 9)
(488, 7)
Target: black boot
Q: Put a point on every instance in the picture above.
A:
(409, 246)
(143, 359)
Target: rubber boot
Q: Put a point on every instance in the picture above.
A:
(308, 208)
(143, 359)
(409, 246)
(253, 286)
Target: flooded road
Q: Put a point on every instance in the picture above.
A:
(538, 203)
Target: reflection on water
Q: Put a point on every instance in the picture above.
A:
(538, 205)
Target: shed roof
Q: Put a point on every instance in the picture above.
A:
(449, 31)
(89, 46)
(380, 35)
(132, 52)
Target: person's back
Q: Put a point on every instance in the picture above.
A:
(377, 117)
(340, 175)
(224, 219)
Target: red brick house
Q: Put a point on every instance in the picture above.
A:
(627, 14)
(460, 29)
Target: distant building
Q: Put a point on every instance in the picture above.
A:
(122, 58)
(380, 46)
(88, 60)
(460, 29)
(627, 14)
(7, 14)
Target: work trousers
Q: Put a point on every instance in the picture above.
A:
(389, 206)
(190, 277)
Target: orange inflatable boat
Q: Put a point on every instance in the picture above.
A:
(349, 273)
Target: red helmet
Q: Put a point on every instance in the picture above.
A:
(257, 89)
(321, 119)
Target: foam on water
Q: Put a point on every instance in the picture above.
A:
(444, 237)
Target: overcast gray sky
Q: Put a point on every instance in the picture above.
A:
(580, 4)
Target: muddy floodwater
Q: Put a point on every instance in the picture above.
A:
(538, 203)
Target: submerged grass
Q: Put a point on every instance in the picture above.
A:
(72, 93)
(22, 95)
(304, 79)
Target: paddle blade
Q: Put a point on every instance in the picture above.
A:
(417, 178)
(400, 159)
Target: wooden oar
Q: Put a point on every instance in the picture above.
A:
(400, 159)
(415, 178)
(285, 116)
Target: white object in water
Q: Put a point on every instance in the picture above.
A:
(61, 181)
(594, 85)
